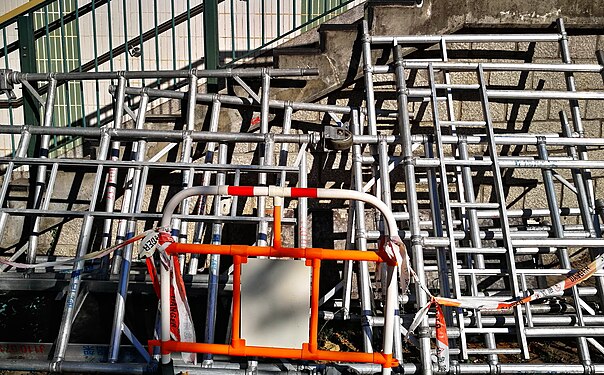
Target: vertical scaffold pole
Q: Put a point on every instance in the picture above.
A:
(130, 201)
(40, 186)
(363, 278)
(412, 206)
(82, 248)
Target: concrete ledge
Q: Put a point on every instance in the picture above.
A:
(442, 17)
(339, 66)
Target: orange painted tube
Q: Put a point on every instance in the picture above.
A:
(285, 252)
(268, 352)
(314, 306)
(236, 299)
(277, 225)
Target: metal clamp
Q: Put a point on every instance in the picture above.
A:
(6, 85)
(337, 138)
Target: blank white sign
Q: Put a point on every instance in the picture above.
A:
(275, 302)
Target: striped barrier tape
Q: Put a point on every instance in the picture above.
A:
(555, 290)
(394, 250)
(442, 342)
(442, 338)
(181, 320)
(94, 255)
(156, 241)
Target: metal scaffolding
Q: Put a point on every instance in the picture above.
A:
(447, 182)
(478, 245)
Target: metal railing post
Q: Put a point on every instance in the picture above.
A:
(558, 232)
(27, 58)
(210, 42)
(214, 269)
(111, 181)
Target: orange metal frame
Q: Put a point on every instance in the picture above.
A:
(240, 253)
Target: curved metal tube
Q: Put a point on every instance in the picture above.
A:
(276, 191)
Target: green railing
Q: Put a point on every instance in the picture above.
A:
(123, 35)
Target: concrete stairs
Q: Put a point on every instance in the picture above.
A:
(335, 47)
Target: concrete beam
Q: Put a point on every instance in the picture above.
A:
(339, 66)
(446, 16)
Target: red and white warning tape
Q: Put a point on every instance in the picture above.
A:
(442, 342)
(393, 249)
(181, 319)
(94, 255)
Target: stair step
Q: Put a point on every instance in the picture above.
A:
(315, 41)
(340, 26)
(20, 185)
(292, 51)
(163, 117)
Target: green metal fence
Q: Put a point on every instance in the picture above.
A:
(116, 35)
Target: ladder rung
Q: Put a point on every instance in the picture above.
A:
(489, 330)
(483, 272)
(481, 250)
(477, 205)
(457, 86)
(493, 351)
(464, 123)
